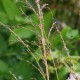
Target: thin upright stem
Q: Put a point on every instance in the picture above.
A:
(41, 26)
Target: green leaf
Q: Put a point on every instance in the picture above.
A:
(64, 32)
(22, 70)
(38, 54)
(10, 8)
(48, 20)
(55, 54)
(23, 20)
(77, 66)
(57, 40)
(3, 17)
(71, 34)
(3, 44)
(35, 19)
(3, 67)
(62, 73)
(51, 69)
(22, 32)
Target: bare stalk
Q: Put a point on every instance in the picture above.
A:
(65, 47)
(79, 8)
(64, 44)
(41, 26)
(13, 75)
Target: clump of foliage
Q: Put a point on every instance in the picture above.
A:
(34, 44)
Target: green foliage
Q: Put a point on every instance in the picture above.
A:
(22, 70)
(48, 20)
(10, 8)
(72, 34)
(14, 55)
(3, 67)
(3, 44)
(22, 32)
